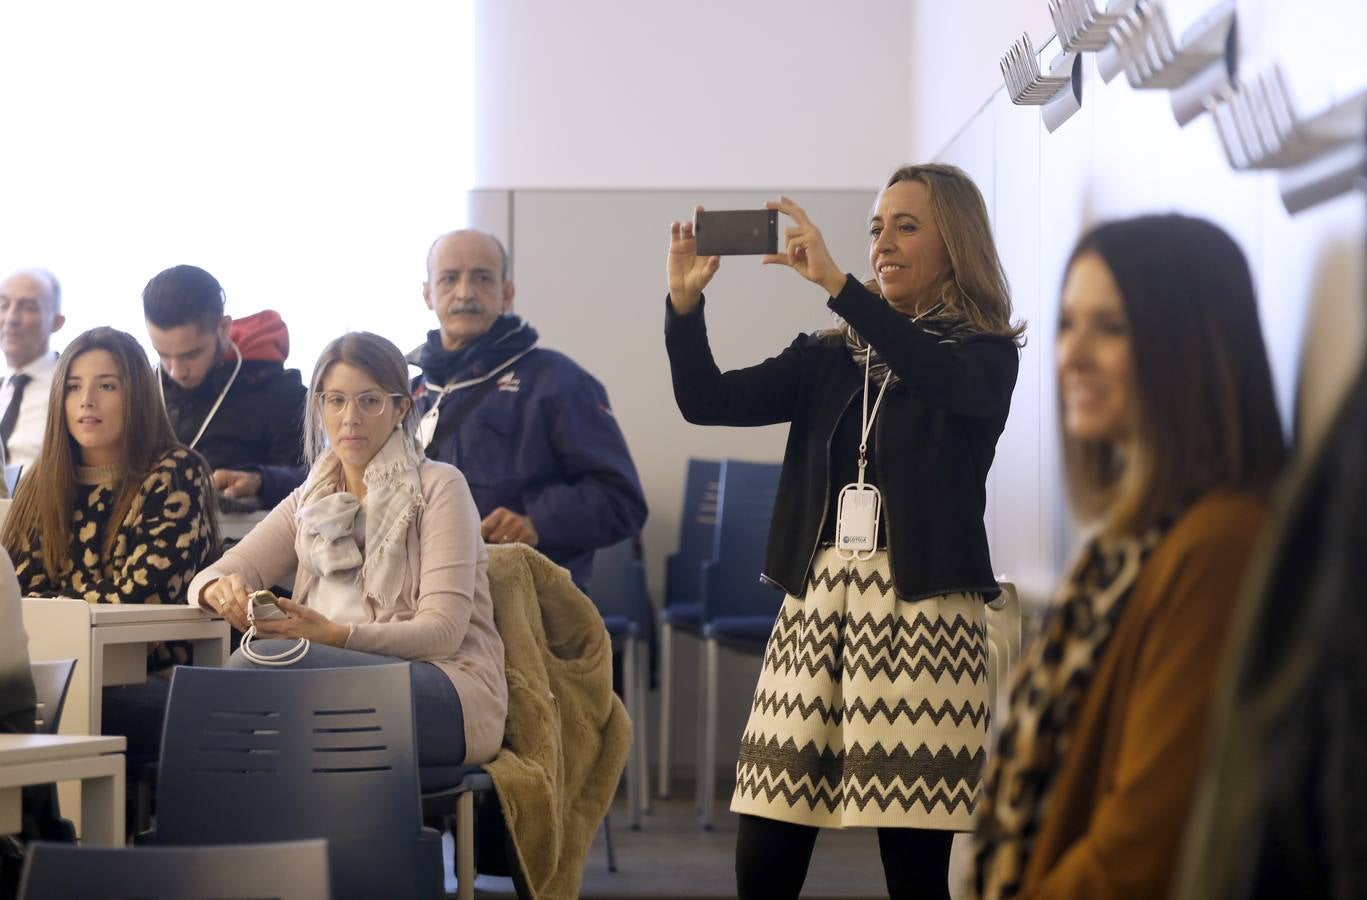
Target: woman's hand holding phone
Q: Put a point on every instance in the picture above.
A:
(688, 272)
(806, 250)
(302, 622)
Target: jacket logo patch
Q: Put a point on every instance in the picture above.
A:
(509, 381)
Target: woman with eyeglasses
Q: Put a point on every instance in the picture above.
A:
(387, 559)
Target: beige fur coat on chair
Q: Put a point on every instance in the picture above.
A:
(567, 734)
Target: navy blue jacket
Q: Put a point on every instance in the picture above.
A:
(258, 428)
(540, 439)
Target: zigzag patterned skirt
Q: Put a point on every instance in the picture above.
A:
(870, 711)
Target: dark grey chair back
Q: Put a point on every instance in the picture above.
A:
(277, 755)
(294, 870)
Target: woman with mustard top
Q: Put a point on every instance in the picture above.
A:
(1171, 440)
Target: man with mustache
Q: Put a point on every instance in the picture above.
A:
(30, 310)
(531, 430)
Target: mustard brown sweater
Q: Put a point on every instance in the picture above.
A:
(1112, 827)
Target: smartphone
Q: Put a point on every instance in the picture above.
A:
(264, 606)
(736, 232)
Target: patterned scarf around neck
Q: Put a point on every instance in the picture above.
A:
(327, 517)
(508, 336)
(949, 331)
(1046, 694)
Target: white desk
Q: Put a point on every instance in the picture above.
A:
(27, 759)
(109, 643)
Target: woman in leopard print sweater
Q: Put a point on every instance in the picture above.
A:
(115, 510)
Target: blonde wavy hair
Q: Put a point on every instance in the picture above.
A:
(974, 291)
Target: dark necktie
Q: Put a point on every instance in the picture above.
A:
(11, 417)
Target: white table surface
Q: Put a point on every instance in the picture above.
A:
(95, 760)
(109, 643)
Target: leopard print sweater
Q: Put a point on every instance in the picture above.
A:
(162, 541)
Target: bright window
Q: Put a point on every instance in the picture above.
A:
(304, 153)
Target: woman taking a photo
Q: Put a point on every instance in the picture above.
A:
(388, 563)
(871, 708)
(1171, 440)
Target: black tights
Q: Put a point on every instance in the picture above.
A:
(772, 859)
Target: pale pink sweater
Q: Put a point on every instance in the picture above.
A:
(443, 615)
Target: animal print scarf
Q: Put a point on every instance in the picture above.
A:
(932, 321)
(1045, 698)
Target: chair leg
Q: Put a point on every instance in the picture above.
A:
(607, 842)
(142, 814)
(708, 776)
(642, 709)
(633, 752)
(700, 733)
(465, 846)
(666, 708)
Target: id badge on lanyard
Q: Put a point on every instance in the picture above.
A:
(427, 425)
(860, 505)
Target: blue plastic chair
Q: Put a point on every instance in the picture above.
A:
(292, 870)
(455, 788)
(683, 592)
(259, 756)
(618, 589)
(738, 609)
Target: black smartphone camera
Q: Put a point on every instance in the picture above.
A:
(736, 232)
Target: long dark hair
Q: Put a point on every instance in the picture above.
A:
(1206, 413)
(46, 497)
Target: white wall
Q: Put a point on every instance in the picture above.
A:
(304, 154)
(954, 52)
(585, 111)
(1123, 154)
(708, 93)
(605, 97)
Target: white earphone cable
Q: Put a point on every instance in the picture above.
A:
(286, 657)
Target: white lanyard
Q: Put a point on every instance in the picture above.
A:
(427, 426)
(867, 420)
(860, 504)
(161, 389)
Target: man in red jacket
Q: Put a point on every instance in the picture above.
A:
(225, 385)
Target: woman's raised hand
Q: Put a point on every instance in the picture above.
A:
(688, 272)
(805, 249)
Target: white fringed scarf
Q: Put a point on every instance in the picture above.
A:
(327, 518)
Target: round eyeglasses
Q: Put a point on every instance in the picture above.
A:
(370, 403)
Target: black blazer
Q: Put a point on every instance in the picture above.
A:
(936, 435)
